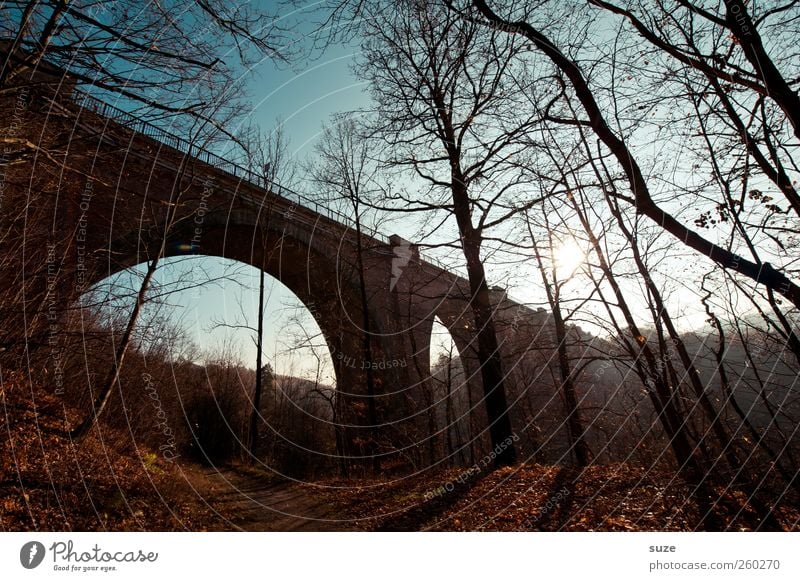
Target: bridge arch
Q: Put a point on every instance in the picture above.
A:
(324, 286)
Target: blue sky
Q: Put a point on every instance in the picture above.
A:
(305, 97)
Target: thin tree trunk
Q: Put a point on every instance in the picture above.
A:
(730, 397)
(367, 343)
(448, 410)
(338, 436)
(575, 427)
(716, 426)
(254, 415)
(119, 356)
(500, 429)
(473, 444)
(431, 425)
(662, 397)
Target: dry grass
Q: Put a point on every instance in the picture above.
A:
(103, 482)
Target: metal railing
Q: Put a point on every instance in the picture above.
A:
(142, 127)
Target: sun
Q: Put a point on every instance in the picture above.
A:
(569, 256)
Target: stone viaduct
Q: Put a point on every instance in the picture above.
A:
(130, 186)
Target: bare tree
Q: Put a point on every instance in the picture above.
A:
(156, 250)
(343, 174)
(553, 282)
(271, 157)
(162, 64)
(446, 109)
(168, 58)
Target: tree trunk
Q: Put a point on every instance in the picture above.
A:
(119, 357)
(367, 344)
(448, 410)
(574, 424)
(488, 350)
(254, 415)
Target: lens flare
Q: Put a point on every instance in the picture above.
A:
(569, 257)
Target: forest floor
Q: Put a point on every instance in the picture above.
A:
(107, 482)
(104, 482)
(534, 497)
(250, 500)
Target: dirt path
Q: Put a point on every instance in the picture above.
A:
(250, 502)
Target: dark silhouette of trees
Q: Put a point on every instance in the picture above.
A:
(160, 67)
(270, 156)
(166, 59)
